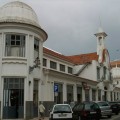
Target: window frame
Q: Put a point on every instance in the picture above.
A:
(53, 64)
(15, 43)
(70, 70)
(62, 67)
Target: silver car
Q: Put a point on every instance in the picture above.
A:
(105, 108)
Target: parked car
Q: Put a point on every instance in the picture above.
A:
(86, 111)
(61, 111)
(118, 102)
(105, 109)
(115, 107)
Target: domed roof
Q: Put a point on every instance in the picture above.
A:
(18, 12)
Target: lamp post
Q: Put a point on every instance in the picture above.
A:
(37, 63)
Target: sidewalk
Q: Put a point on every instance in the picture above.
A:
(46, 118)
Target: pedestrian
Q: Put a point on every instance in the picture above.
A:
(41, 111)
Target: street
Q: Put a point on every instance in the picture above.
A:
(114, 117)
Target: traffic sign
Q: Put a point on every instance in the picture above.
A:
(55, 87)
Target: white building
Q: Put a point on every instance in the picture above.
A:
(30, 73)
(21, 42)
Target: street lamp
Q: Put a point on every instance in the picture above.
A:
(37, 63)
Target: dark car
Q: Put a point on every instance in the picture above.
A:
(105, 109)
(118, 102)
(115, 107)
(86, 111)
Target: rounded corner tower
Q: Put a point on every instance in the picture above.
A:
(21, 52)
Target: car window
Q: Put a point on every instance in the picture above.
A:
(94, 106)
(62, 108)
(78, 107)
(102, 104)
(88, 106)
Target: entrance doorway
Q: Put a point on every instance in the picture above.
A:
(13, 98)
(70, 93)
(105, 93)
(79, 94)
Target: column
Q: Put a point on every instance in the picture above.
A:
(108, 96)
(112, 96)
(75, 93)
(96, 94)
(64, 93)
(83, 94)
(90, 93)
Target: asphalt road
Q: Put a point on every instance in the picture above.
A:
(114, 117)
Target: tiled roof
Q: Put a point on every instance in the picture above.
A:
(115, 63)
(76, 59)
(57, 55)
(84, 58)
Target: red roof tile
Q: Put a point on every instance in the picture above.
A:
(115, 63)
(76, 59)
(84, 58)
(55, 54)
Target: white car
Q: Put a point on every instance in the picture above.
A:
(61, 111)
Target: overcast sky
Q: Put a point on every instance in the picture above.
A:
(71, 24)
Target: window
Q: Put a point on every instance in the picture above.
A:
(100, 40)
(53, 65)
(104, 72)
(70, 70)
(98, 73)
(99, 95)
(110, 76)
(93, 95)
(70, 93)
(15, 45)
(36, 48)
(62, 67)
(44, 62)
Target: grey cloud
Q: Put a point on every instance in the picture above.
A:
(71, 24)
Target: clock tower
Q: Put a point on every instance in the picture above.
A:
(100, 43)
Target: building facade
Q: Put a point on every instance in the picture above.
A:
(31, 73)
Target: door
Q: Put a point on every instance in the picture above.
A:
(13, 98)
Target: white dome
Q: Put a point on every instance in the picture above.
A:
(18, 12)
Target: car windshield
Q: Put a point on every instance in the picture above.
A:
(72, 104)
(88, 106)
(62, 108)
(112, 103)
(101, 104)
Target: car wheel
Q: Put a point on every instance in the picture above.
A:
(109, 116)
(116, 113)
(79, 118)
(97, 119)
